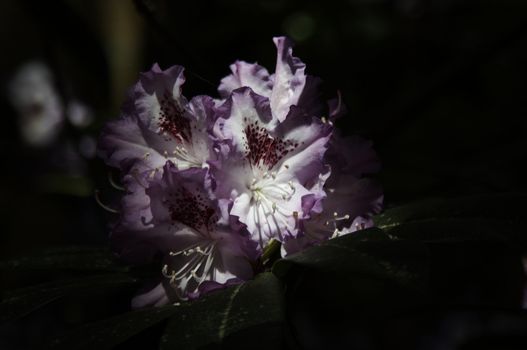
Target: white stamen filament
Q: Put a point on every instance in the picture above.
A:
(104, 206)
(183, 154)
(335, 220)
(268, 194)
(113, 183)
(201, 259)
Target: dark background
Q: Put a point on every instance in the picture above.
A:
(439, 86)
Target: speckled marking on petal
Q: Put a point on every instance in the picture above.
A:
(172, 118)
(262, 149)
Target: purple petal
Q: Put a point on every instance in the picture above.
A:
(154, 297)
(125, 144)
(243, 109)
(289, 79)
(352, 155)
(183, 196)
(249, 75)
(312, 136)
(210, 286)
(159, 102)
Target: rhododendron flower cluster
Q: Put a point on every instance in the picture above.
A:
(210, 182)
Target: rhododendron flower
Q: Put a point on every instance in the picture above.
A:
(159, 124)
(199, 245)
(268, 164)
(351, 199)
(283, 89)
(210, 182)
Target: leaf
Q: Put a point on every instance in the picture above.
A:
(21, 302)
(486, 217)
(368, 252)
(457, 230)
(494, 206)
(212, 318)
(475, 245)
(75, 258)
(350, 281)
(108, 333)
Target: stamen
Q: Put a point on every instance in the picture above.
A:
(197, 268)
(113, 183)
(183, 154)
(336, 218)
(104, 206)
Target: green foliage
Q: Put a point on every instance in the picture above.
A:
(214, 317)
(421, 254)
(74, 258)
(111, 332)
(20, 302)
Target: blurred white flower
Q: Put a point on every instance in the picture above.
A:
(37, 103)
(79, 115)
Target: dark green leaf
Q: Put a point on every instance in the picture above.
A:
(495, 206)
(485, 217)
(108, 333)
(357, 278)
(368, 252)
(213, 317)
(20, 302)
(67, 258)
(455, 230)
